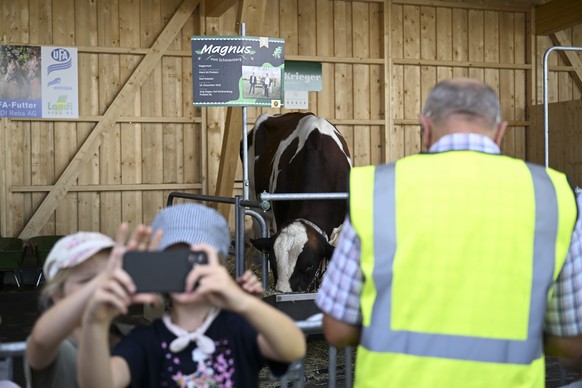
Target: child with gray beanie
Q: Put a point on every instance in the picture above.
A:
(215, 334)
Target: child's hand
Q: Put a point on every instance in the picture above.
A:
(113, 293)
(251, 284)
(213, 284)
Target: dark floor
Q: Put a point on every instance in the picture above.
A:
(19, 310)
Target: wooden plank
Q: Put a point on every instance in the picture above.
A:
(231, 142)
(288, 25)
(570, 57)
(195, 143)
(412, 74)
(63, 19)
(213, 128)
(306, 23)
(506, 89)
(376, 98)
(131, 133)
(391, 16)
(460, 39)
(428, 75)
(215, 8)
(411, 32)
(16, 146)
(577, 42)
(476, 41)
(86, 34)
(324, 30)
(253, 14)
(557, 15)
(114, 110)
(152, 134)
(361, 85)
(343, 74)
(444, 46)
(523, 89)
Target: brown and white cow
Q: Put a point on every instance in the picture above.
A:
(299, 153)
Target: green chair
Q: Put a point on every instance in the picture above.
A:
(12, 256)
(41, 246)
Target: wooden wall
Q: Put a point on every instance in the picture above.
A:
(565, 138)
(380, 58)
(155, 145)
(564, 106)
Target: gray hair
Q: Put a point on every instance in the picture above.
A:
(469, 98)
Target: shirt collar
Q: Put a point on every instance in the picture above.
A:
(465, 142)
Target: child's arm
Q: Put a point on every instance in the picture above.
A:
(279, 337)
(96, 368)
(55, 325)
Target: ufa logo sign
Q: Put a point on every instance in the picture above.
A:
(60, 55)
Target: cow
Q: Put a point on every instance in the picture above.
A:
(299, 153)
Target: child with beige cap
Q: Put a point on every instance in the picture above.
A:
(215, 333)
(73, 271)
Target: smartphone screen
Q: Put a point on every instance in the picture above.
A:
(161, 271)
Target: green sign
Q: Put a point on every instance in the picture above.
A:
(237, 71)
(303, 76)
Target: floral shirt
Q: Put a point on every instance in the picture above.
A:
(236, 362)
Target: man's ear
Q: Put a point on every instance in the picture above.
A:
(499, 132)
(426, 129)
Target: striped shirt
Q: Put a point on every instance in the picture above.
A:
(339, 294)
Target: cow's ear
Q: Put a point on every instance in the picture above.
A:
(263, 244)
(328, 250)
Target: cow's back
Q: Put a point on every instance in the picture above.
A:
(300, 153)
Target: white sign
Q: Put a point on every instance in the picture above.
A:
(296, 99)
(60, 96)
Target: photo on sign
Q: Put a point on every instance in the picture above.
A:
(20, 72)
(261, 82)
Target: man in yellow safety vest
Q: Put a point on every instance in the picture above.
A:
(451, 261)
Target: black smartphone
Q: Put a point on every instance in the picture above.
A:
(161, 271)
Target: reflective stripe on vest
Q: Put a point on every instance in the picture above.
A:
(380, 338)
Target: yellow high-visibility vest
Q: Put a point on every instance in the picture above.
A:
(459, 251)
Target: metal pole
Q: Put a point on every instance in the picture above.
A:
(545, 87)
(300, 196)
(245, 159)
(264, 233)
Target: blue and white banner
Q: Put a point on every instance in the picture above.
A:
(38, 81)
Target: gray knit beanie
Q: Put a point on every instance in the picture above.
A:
(192, 223)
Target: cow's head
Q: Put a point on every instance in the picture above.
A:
(296, 253)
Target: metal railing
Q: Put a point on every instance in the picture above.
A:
(8, 352)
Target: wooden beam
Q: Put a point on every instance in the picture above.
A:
(571, 57)
(229, 157)
(114, 111)
(557, 15)
(215, 8)
(252, 13)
